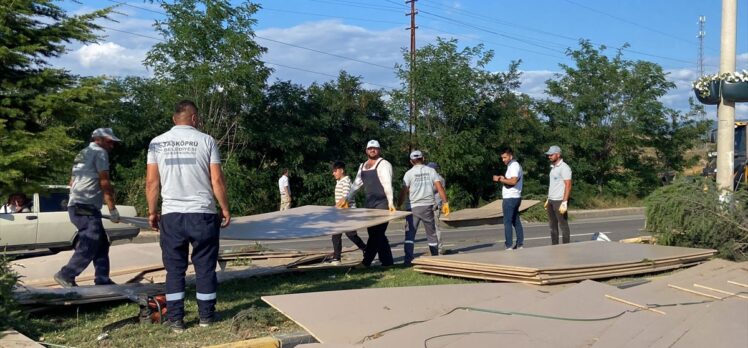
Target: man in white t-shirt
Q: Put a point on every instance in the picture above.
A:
(285, 191)
(511, 195)
(419, 183)
(184, 168)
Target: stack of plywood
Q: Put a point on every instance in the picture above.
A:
(702, 306)
(563, 263)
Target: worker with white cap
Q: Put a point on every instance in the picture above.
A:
(376, 176)
(419, 183)
(559, 190)
(90, 188)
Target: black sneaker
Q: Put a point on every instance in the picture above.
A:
(176, 326)
(205, 322)
(64, 282)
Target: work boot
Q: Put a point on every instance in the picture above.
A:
(176, 325)
(205, 322)
(64, 282)
(434, 250)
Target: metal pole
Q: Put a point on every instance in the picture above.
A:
(411, 88)
(726, 110)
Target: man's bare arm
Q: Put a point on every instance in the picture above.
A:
(152, 187)
(218, 181)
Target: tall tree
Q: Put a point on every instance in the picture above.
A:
(209, 55)
(464, 112)
(606, 112)
(35, 98)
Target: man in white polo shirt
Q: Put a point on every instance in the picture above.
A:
(184, 167)
(559, 190)
(285, 191)
(511, 195)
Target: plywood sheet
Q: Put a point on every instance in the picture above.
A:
(489, 211)
(475, 328)
(83, 294)
(301, 222)
(123, 259)
(306, 221)
(350, 316)
(571, 256)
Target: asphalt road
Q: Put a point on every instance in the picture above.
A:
(475, 238)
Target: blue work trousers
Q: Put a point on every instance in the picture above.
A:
(92, 245)
(178, 232)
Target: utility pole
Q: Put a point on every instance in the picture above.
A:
(726, 109)
(411, 89)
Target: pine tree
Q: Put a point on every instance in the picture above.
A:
(38, 103)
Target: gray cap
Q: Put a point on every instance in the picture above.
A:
(553, 150)
(416, 155)
(372, 143)
(105, 133)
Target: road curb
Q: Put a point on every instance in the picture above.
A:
(599, 213)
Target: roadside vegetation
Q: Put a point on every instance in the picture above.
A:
(602, 109)
(690, 213)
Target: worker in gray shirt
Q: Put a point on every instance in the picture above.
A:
(419, 183)
(559, 190)
(184, 168)
(90, 187)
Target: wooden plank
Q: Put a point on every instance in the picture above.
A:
(82, 294)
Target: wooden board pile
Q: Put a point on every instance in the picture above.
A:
(703, 306)
(563, 263)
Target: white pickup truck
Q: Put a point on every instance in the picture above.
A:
(47, 225)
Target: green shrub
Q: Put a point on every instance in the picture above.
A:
(689, 213)
(9, 312)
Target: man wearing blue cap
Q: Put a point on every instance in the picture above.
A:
(90, 188)
(419, 183)
(559, 190)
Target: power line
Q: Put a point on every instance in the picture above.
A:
(545, 47)
(264, 61)
(328, 16)
(325, 53)
(624, 20)
(257, 36)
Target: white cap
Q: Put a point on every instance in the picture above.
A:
(105, 133)
(416, 155)
(373, 143)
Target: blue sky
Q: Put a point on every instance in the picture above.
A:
(373, 31)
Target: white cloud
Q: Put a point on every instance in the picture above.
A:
(382, 48)
(533, 82)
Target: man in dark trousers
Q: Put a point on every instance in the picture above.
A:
(184, 167)
(89, 189)
(376, 176)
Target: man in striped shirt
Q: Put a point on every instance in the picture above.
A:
(342, 187)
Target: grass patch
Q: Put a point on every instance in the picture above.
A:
(244, 314)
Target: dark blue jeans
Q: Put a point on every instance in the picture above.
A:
(178, 231)
(92, 245)
(511, 219)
